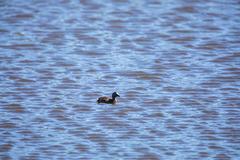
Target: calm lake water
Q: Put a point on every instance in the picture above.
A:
(176, 65)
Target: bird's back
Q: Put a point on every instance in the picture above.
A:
(103, 100)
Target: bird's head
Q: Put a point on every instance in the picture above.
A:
(115, 94)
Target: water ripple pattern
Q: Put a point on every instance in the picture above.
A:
(176, 65)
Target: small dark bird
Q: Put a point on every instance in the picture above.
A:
(108, 100)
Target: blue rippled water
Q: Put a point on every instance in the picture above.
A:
(176, 65)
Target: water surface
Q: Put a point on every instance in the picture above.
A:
(176, 65)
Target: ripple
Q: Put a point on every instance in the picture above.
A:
(15, 108)
(6, 147)
(7, 125)
(175, 65)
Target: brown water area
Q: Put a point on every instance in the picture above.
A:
(175, 64)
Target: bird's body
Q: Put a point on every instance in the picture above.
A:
(108, 100)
